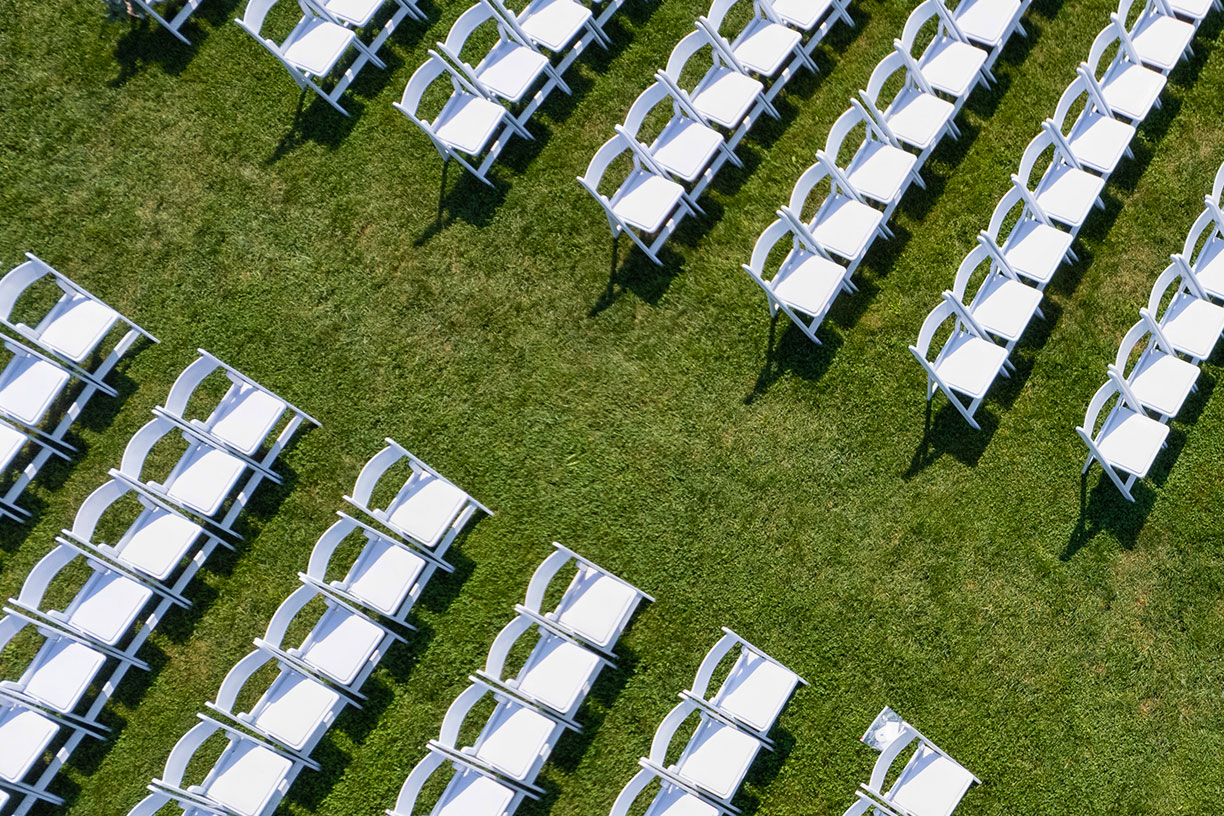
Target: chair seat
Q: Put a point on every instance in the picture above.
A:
(1161, 41)
(674, 801)
(75, 326)
(969, 364)
(1131, 90)
(1192, 325)
(341, 644)
(595, 607)
(755, 691)
(28, 386)
(426, 509)
(1209, 266)
(1004, 306)
(557, 674)
(24, 736)
(203, 478)
(157, 542)
(930, 785)
(245, 778)
(357, 13)
(952, 66)
(1067, 195)
(1194, 9)
(717, 758)
(880, 171)
(383, 575)
(725, 96)
(1036, 250)
(294, 708)
(845, 226)
(509, 69)
(802, 14)
(514, 738)
(316, 45)
(554, 23)
(646, 200)
(107, 606)
(918, 118)
(808, 283)
(1130, 441)
(1098, 142)
(11, 443)
(61, 672)
(764, 46)
(467, 123)
(246, 417)
(986, 21)
(1162, 382)
(685, 147)
(470, 793)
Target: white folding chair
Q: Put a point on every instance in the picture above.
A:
(386, 578)
(764, 46)
(840, 221)
(313, 50)
(931, 783)
(753, 691)
(806, 282)
(1095, 138)
(469, 123)
(1065, 192)
(1191, 323)
(427, 509)
(990, 23)
(13, 441)
(1128, 87)
(25, 736)
(1159, 379)
(967, 363)
(1204, 249)
(814, 17)
(948, 62)
(1001, 303)
(1022, 237)
(74, 327)
(875, 166)
(1160, 39)
(1127, 441)
(914, 116)
(595, 607)
(359, 14)
(30, 384)
(293, 712)
(645, 203)
(564, 27)
(470, 791)
(673, 798)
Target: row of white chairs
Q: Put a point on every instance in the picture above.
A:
(353, 609)
(164, 534)
(734, 702)
(53, 351)
(844, 201)
(671, 168)
(533, 704)
(495, 90)
(1157, 365)
(999, 286)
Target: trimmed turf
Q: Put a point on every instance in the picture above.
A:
(1061, 643)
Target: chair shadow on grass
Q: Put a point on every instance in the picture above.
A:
(790, 350)
(638, 275)
(764, 770)
(946, 433)
(146, 42)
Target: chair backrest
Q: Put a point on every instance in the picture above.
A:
(971, 264)
(938, 316)
(1144, 330)
(920, 16)
(465, 24)
(1042, 142)
(418, 83)
(1078, 88)
(1178, 278)
(16, 281)
(769, 238)
(1110, 34)
(1092, 416)
(254, 14)
(598, 166)
(646, 102)
(814, 175)
(1217, 189)
(1007, 203)
(685, 50)
(845, 124)
(1207, 223)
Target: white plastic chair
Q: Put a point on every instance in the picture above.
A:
(359, 14)
(764, 46)
(1159, 38)
(25, 735)
(30, 384)
(806, 282)
(1096, 139)
(990, 23)
(1204, 249)
(967, 363)
(645, 203)
(313, 49)
(915, 116)
(1127, 441)
(1066, 192)
(842, 223)
(73, 329)
(1159, 379)
(427, 510)
(1127, 86)
(949, 63)
(469, 128)
(471, 790)
(877, 168)
(1001, 303)
(673, 798)
(564, 27)
(931, 783)
(1031, 246)
(595, 607)
(1190, 322)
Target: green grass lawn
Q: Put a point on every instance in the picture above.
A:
(1063, 644)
